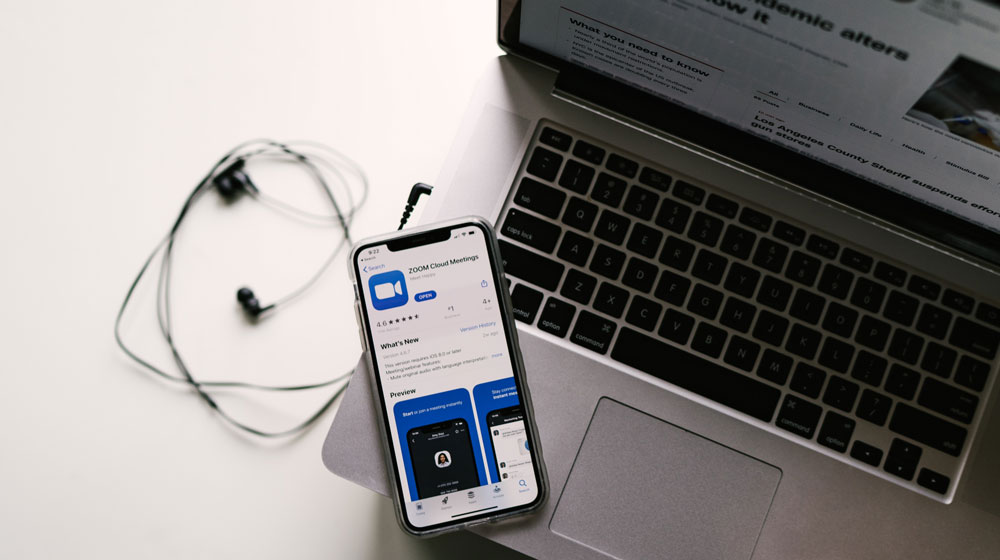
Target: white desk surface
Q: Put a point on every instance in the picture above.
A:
(110, 112)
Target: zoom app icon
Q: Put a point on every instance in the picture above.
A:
(387, 290)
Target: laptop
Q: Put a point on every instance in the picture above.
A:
(754, 253)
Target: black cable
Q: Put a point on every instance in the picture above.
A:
(165, 248)
(411, 201)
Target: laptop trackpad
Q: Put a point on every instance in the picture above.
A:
(643, 488)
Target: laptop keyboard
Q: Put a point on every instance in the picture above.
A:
(879, 365)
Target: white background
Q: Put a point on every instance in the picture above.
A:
(110, 113)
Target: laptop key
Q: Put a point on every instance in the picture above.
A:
(802, 268)
(578, 286)
(539, 197)
(902, 381)
(807, 380)
(948, 401)
(928, 430)
(975, 338)
(841, 393)
(774, 293)
(530, 267)
(901, 308)
(708, 340)
(905, 346)
(611, 299)
(933, 481)
(712, 381)
(737, 314)
(742, 353)
(933, 321)
(644, 240)
(798, 416)
(803, 341)
(607, 261)
(891, 274)
(555, 138)
(608, 190)
(774, 367)
(673, 215)
(835, 281)
(868, 454)
(972, 373)
(822, 246)
(705, 229)
(770, 328)
(938, 360)
(643, 313)
(868, 295)
(677, 253)
(988, 313)
(532, 231)
(869, 368)
(873, 407)
(689, 192)
(656, 179)
(640, 202)
(676, 326)
(588, 152)
(737, 242)
(840, 319)
(639, 274)
(525, 302)
(544, 163)
(923, 287)
(789, 233)
(593, 332)
(705, 301)
(556, 317)
(957, 301)
(872, 333)
(836, 354)
(903, 458)
(858, 261)
(672, 288)
(721, 206)
(576, 177)
(757, 220)
(770, 255)
(612, 227)
(579, 214)
(709, 266)
(742, 280)
(622, 165)
(835, 432)
(807, 306)
(575, 248)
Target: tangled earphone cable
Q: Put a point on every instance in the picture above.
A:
(227, 176)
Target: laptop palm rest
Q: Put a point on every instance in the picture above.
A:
(682, 496)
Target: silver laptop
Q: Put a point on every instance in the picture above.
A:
(754, 251)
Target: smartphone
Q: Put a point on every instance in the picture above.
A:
(436, 325)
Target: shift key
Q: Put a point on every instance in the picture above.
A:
(530, 230)
(929, 430)
(530, 267)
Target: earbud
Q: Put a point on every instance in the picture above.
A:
(249, 302)
(232, 180)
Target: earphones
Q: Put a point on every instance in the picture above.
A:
(230, 179)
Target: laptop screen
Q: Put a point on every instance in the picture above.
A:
(903, 95)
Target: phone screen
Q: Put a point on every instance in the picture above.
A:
(445, 366)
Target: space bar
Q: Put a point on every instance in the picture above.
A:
(695, 374)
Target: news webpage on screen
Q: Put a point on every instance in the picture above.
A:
(903, 94)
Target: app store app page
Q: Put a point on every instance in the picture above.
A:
(447, 378)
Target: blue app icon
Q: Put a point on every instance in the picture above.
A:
(387, 290)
